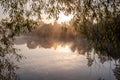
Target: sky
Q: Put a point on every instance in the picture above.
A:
(62, 17)
(2, 15)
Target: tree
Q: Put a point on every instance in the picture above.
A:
(84, 11)
(98, 20)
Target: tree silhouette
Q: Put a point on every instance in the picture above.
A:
(97, 20)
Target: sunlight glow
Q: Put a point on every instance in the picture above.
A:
(63, 18)
(65, 48)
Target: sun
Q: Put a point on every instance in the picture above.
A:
(63, 18)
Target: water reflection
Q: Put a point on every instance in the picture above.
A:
(117, 72)
(96, 53)
(104, 38)
(81, 46)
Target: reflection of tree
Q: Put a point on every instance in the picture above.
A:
(90, 59)
(117, 72)
(105, 41)
(104, 48)
(39, 41)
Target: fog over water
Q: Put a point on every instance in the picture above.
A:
(54, 58)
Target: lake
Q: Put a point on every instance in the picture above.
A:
(46, 59)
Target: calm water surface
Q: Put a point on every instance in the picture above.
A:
(60, 61)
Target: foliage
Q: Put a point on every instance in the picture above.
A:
(7, 53)
(97, 20)
(84, 11)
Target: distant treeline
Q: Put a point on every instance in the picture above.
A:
(54, 31)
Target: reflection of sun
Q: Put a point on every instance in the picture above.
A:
(65, 48)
